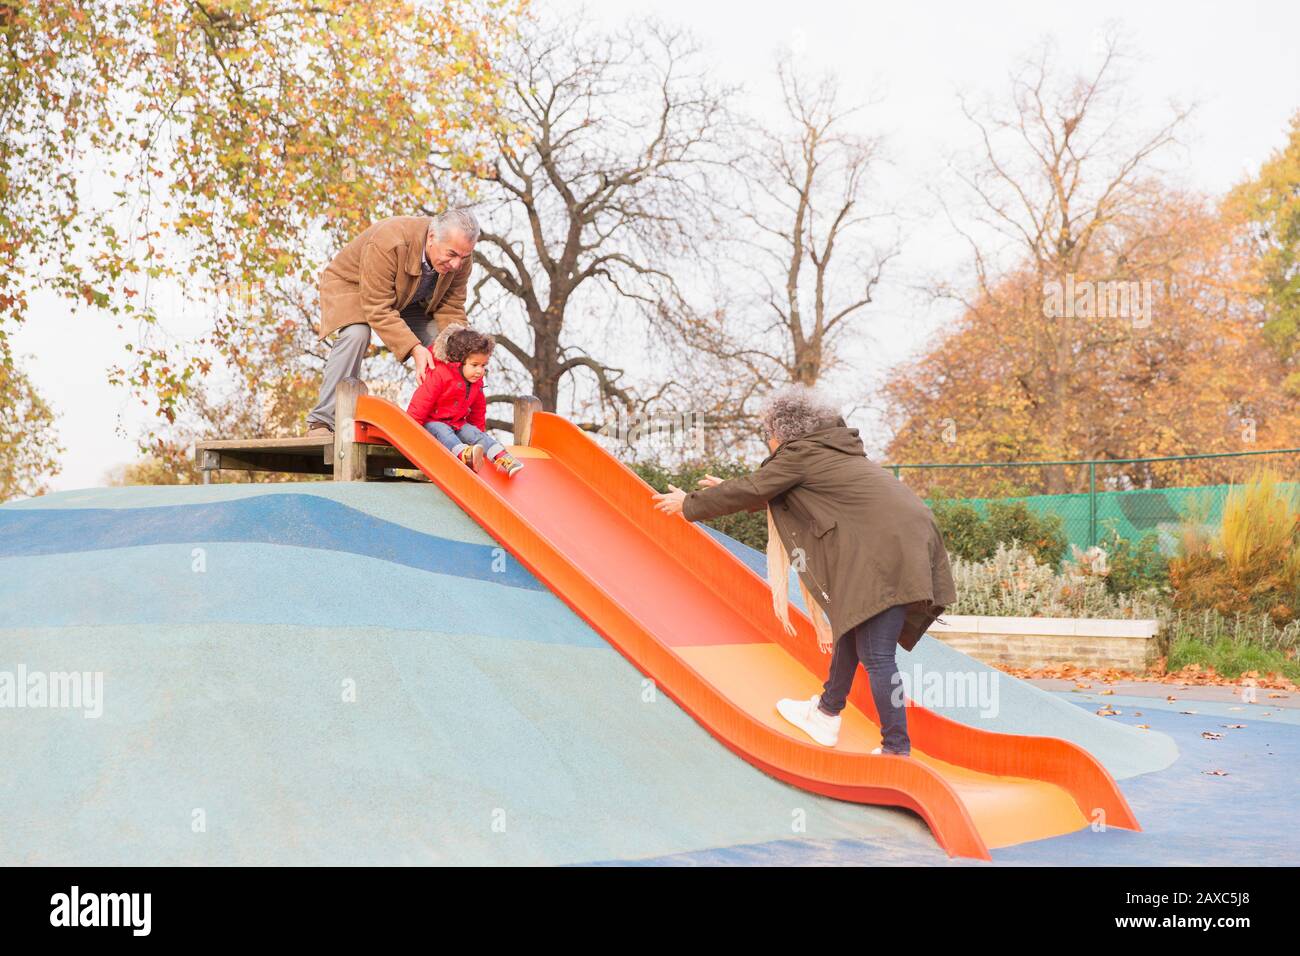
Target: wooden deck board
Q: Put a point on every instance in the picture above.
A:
(297, 455)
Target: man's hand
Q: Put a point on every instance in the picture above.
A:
(708, 481)
(670, 502)
(423, 360)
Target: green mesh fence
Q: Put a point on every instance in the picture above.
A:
(1169, 491)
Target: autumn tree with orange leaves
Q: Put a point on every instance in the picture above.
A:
(1041, 364)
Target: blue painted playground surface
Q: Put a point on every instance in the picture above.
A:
(356, 673)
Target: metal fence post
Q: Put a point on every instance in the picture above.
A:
(1092, 504)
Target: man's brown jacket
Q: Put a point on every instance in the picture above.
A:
(375, 276)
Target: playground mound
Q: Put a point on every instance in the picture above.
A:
(322, 672)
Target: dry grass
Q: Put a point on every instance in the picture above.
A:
(1251, 563)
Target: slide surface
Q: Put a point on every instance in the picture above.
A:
(699, 623)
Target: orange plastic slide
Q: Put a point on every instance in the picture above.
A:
(698, 622)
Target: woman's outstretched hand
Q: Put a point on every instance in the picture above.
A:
(670, 502)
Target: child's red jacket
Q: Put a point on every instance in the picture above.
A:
(446, 396)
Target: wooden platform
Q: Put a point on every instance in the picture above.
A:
(303, 456)
(343, 456)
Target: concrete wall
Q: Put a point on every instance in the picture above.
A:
(1041, 641)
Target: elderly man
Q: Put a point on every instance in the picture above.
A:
(404, 277)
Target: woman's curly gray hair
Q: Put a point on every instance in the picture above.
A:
(796, 410)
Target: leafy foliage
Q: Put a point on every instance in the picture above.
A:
(1069, 198)
(59, 67)
(1041, 534)
(28, 450)
(259, 135)
(1133, 567)
(972, 537)
(1251, 563)
(745, 526)
(1269, 206)
(1014, 583)
(965, 532)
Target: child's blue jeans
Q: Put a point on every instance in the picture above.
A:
(467, 434)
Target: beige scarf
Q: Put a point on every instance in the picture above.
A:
(778, 579)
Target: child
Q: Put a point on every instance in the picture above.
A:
(449, 403)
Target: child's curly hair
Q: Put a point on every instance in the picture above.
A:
(464, 342)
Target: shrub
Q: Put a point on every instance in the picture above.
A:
(1013, 583)
(973, 538)
(965, 534)
(745, 526)
(1251, 564)
(1041, 534)
(1134, 567)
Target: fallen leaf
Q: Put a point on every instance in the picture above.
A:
(1192, 675)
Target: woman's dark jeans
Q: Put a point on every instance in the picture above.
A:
(873, 643)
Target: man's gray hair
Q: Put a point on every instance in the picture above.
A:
(462, 220)
(796, 410)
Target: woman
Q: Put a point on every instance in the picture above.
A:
(866, 547)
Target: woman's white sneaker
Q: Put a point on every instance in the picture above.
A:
(808, 717)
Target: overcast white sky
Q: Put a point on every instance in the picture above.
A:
(1236, 60)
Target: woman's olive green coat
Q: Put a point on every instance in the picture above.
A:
(867, 541)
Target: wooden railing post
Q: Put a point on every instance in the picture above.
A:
(349, 455)
(525, 405)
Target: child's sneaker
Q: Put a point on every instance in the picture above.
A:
(472, 455)
(508, 463)
(808, 717)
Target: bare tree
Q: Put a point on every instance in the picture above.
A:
(1057, 173)
(595, 201)
(1060, 188)
(809, 234)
